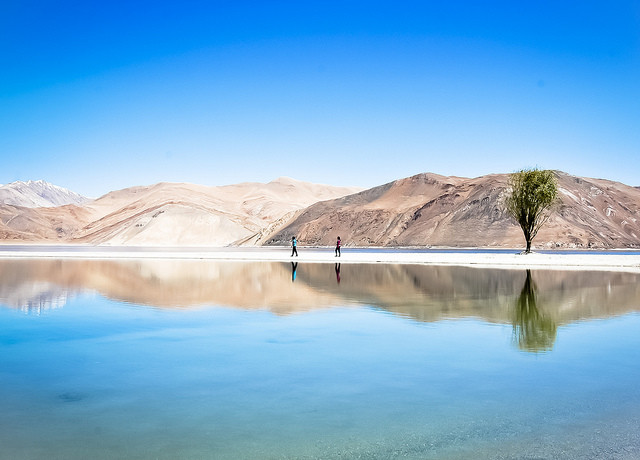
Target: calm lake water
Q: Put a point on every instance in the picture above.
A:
(229, 360)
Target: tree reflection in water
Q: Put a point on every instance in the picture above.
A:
(533, 330)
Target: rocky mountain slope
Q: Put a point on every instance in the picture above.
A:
(40, 225)
(423, 210)
(432, 210)
(37, 194)
(168, 214)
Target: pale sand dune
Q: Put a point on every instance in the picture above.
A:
(579, 261)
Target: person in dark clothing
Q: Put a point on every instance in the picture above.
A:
(338, 243)
(294, 246)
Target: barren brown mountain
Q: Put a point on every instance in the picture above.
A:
(168, 214)
(40, 225)
(423, 210)
(432, 210)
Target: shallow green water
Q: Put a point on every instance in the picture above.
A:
(273, 361)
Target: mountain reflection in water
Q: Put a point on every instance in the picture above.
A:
(535, 302)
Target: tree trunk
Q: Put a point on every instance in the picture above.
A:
(528, 250)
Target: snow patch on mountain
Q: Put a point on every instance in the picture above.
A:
(38, 194)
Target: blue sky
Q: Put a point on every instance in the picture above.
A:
(98, 96)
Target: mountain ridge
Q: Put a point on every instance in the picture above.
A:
(38, 194)
(432, 210)
(167, 213)
(424, 210)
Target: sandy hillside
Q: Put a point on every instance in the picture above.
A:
(169, 214)
(40, 225)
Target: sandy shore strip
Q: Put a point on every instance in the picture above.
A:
(480, 258)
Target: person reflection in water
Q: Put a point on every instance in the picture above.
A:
(533, 330)
(294, 269)
(338, 273)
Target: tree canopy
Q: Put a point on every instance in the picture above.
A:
(533, 194)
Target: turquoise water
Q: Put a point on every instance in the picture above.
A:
(247, 361)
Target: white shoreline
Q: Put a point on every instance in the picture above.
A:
(606, 262)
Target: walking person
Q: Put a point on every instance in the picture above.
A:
(294, 246)
(338, 243)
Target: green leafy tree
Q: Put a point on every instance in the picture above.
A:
(533, 195)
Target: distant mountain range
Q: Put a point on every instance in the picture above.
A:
(38, 194)
(422, 210)
(168, 214)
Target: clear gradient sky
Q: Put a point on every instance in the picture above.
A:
(98, 96)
